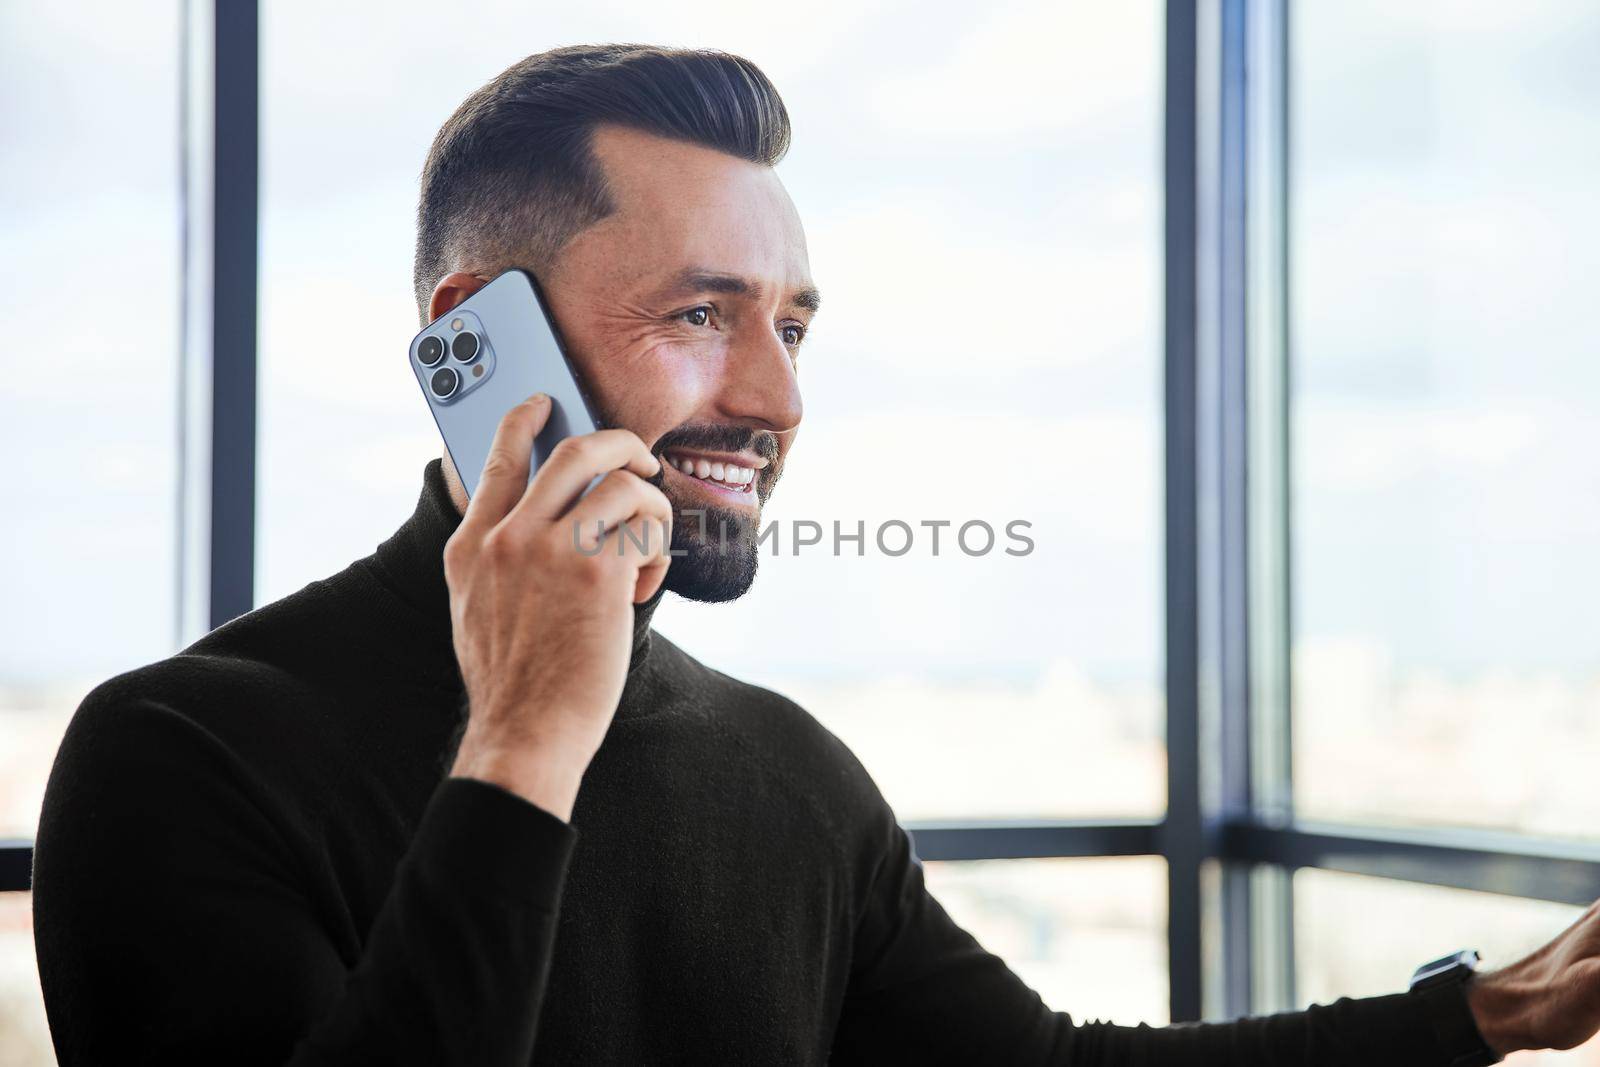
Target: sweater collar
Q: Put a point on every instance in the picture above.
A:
(411, 563)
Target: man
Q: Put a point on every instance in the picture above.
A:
(458, 805)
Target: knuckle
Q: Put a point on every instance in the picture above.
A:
(499, 464)
(455, 553)
(500, 547)
(651, 533)
(570, 537)
(592, 570)
(569, 448)
(624, 480)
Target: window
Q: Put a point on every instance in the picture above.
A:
(1088, 936)
(24, 1033)
(1392, 247)
(1437, 246)
(90, 398)
(1445, 238)
(1402, 925)
(993, 685)
(1357, 457)
(90, 211)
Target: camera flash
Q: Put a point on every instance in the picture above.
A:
(455, 324)
(477, 372)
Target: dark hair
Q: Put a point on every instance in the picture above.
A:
(511, 177)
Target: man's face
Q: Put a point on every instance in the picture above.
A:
(684, 311)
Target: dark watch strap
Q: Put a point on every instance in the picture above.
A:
(1446, 1006)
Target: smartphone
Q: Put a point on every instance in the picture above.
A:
(484, 357)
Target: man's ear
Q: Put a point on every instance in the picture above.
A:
(452, 289)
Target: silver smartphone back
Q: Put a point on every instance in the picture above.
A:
(484, 357)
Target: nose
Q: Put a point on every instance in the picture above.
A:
(759, 387)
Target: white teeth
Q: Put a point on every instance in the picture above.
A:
(714, 471)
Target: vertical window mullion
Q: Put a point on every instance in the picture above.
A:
(1265, 360)
(235, 152)
(1182, 832)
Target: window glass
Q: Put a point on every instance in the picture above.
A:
(987, 236)
(1357, 936)
(1088, 935)
(89, 243)
(1445, 238)
(24, 1032)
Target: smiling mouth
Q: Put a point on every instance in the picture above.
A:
(724, 472)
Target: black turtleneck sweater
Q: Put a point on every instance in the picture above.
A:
(251, 853)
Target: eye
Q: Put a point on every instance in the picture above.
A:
(792, 333)
(697, 316)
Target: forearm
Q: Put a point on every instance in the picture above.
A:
(981, 1012)
(455, 966)
(924, 990)
(213, 941)
(1370, 1032)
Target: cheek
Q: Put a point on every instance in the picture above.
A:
(654, 388)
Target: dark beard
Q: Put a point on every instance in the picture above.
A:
(714, 549)
(714, 554)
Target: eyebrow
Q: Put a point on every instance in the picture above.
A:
(699, 280)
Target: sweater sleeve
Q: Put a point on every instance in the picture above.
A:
(922, 990)
(174, 925)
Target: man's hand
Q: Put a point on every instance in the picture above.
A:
(543, 630)
(1550, 999)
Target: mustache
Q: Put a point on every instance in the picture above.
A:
(718, 438)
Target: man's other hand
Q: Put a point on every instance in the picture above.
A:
(1550, 999)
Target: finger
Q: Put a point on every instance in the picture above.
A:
(505, 469)
(654, 572)
(640, 540)
(576, 461)
(641, 543)
(620, 495)
(623, 536)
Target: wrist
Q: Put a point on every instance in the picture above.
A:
(545, 773)
(1498, 1002)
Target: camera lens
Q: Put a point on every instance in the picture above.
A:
(465, 346)
(430, 350)
(444, 382)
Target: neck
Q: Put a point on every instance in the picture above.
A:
(453, 485)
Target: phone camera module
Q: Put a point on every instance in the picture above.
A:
(465, 346)
(430, 350)
(444, 383)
